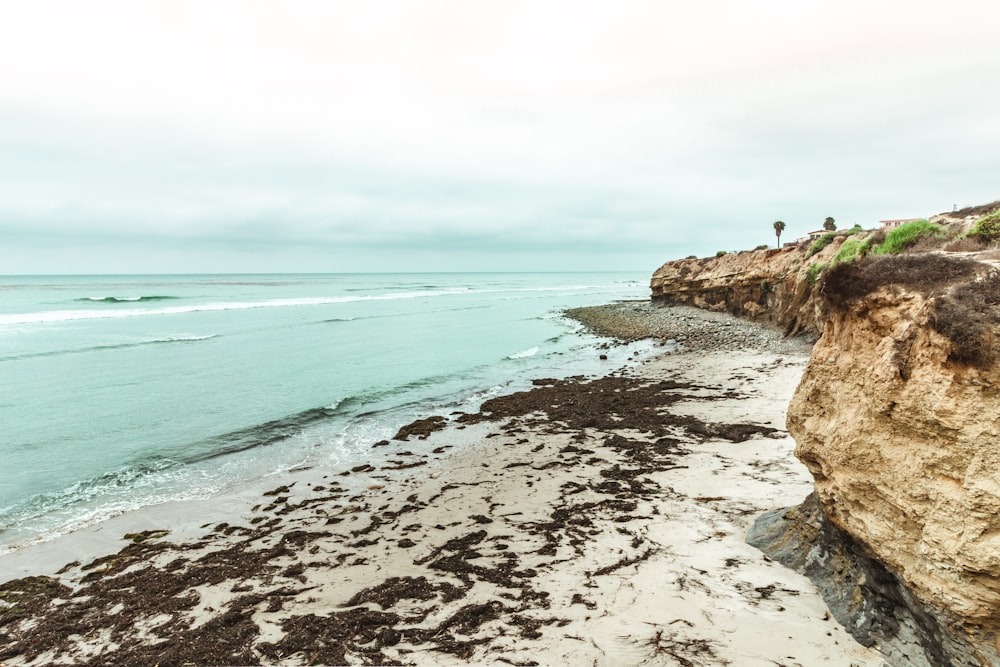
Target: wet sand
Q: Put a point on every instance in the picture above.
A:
(594, 521)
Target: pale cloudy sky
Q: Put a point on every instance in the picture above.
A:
(192, 136)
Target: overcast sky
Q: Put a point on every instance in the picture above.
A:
(216, 136)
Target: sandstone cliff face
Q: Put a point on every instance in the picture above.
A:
(765, 285)
(904, 445)
(902, 436)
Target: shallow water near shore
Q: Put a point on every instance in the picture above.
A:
(122, 392)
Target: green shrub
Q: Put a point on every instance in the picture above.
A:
(987, 228)
(763, 246)
(851, 250)
(820, 243)
(721, 253)
(908, 234)
(812, 275)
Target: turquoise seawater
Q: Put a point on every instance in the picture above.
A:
(118, 392)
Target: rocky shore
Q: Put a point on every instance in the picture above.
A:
(595, 521)
(690, 329)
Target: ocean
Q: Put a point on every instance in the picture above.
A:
(123, 392)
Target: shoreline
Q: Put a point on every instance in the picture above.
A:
(595, 521)
(690, 329)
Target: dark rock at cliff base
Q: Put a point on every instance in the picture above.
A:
(897, 419)
(866, 598)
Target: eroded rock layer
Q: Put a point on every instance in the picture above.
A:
(904, 445)
(871, 602)
(772, 286)
(898, 419)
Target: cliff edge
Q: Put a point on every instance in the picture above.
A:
(770, 285)
(897, 417)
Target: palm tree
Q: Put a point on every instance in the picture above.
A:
(779, 227)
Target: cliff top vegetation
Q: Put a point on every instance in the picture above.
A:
(965, 304)
(917, 236)
(850, 282)
(797, 286)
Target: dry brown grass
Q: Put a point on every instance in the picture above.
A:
(877, 237)
(965, 310)
(927, 244)
(851, 282)
(982, 209)
(966, 244)
(969, 316)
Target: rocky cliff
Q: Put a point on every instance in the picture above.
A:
(772, 285)
(897, 417)
(899, 424)
(781, 285)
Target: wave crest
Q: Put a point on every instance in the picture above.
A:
(65, 315)
(117, 346)
(127, 299)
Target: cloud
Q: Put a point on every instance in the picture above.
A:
(383, 130)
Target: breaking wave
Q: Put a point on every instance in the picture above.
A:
(126, 299)
(117, 346)
(66, 315)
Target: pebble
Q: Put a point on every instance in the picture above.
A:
(690, 328)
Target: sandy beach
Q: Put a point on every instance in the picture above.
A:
(589, 521)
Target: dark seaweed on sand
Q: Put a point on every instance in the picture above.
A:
(140, 603)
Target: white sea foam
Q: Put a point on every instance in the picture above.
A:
(59, 524)
(555, 288)
(181, 339)
(480, 396)
(66, 315)
(530, 352)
